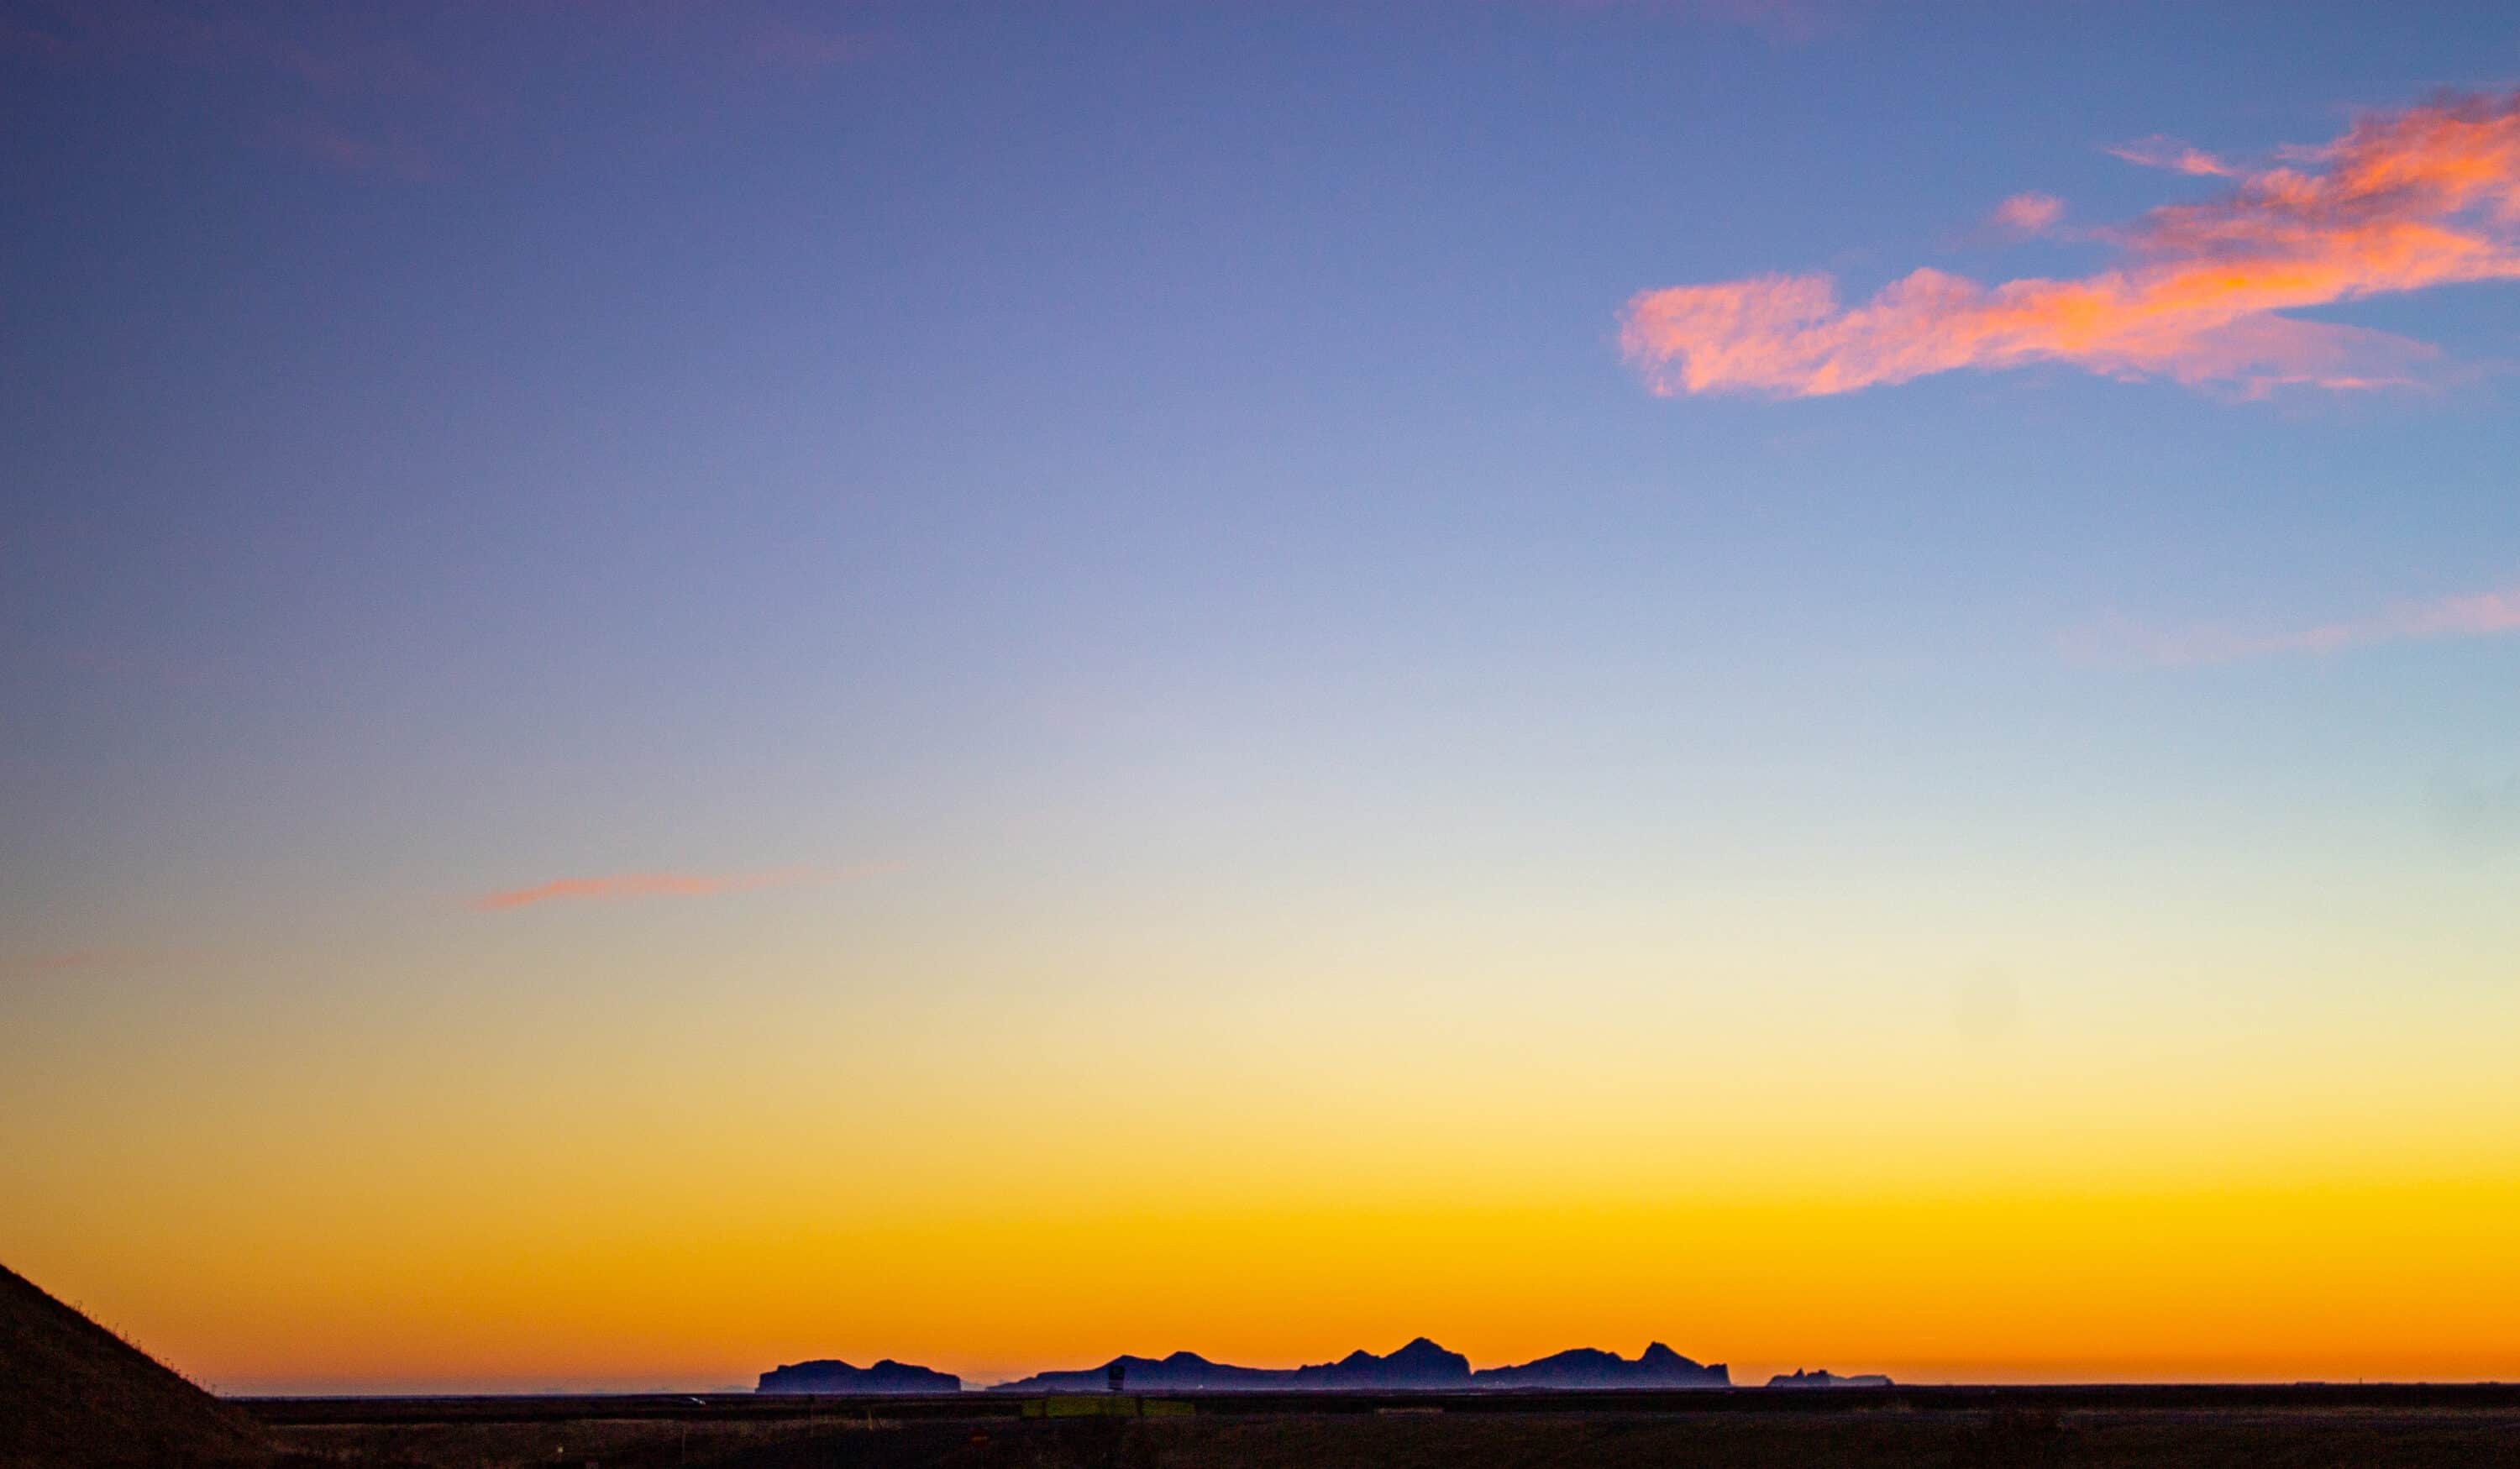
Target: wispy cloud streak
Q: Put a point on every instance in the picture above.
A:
(67, 959)
(2158, 151)
(74, 961)
(621, 885)
(2404, 201)
(2481, 615)
(2028, 213)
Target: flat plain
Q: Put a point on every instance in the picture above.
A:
(2170, 1426)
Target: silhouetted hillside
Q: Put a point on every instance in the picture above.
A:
(74, 1394)
(885, 1376)
(1419, 1365)
(1658, 1366)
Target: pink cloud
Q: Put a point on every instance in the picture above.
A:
(68, 961)
(2028, 213)
(2158, 151)
(2483, 614)
(69, 958)
(2405, 200)
(664, 886)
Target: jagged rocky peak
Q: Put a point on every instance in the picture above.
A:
(1657, 1367)
(1421, 1365)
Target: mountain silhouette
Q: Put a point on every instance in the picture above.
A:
(1657, 1367)
(1421, 1365)
(1181, 1372)
(885, 1376)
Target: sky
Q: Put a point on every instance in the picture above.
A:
(687, 686)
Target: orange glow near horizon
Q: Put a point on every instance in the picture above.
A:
(2199, 1284)
(663, 1195)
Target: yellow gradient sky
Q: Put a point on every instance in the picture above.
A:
(543, 1171)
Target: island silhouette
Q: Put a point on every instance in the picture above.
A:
(834, 1376)
(1421, 1365)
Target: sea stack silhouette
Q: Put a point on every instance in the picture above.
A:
(834, 1376)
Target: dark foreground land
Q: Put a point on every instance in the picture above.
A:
(2367, 1428)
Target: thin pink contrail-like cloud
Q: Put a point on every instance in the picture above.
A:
(2482, 614)
(2403, 202)
(621, 885)
(67, 959)
(103, 959)
(2158, 151)
(2028, 213)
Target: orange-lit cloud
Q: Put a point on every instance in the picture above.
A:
(2481, 615)
(2405, 200)
(662, 885)
(2028, 213)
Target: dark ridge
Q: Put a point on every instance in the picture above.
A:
(1420, 1366)
(1181, 1372)
(1657, 1367)
(832, 1376)
(74, 1394)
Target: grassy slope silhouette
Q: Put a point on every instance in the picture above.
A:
(73, 1394)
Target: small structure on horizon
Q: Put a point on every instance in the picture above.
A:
(1119, 1375)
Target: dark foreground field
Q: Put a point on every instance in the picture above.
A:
(1775, 1430)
